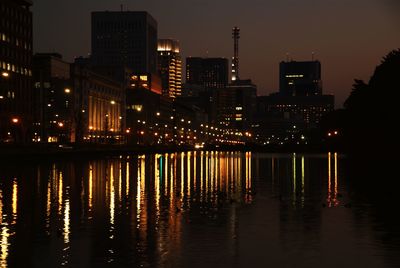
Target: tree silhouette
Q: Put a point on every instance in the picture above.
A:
(372, 110)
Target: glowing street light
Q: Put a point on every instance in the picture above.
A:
(15, 120)
(5, 74)
(112, 102)
(60, 124)
(67, 90)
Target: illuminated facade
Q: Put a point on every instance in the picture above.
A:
(15, 71)
(99, 107)
(54, 98)
(209, 72)
(170, 67)
(300, 78)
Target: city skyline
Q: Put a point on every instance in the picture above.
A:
(311, 27)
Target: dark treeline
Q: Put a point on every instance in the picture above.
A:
(370, 118)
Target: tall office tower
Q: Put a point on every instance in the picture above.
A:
(300, 78)
(209, 72)
(15, 70)
(170, 67)
(124, 39)
(235, 59)
(54, 98)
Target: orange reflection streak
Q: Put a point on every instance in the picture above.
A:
(112, 197)
(188, 175)
(120, 182)
(294, 178)
(48, 204)
(14, 201)
(202, 176)
(1, 207)
(60, 192)
(182, 175)
(127, 179)
(166, 167)
(66, 228)
(4, 245)
(212, 175)
(336, 176)
(157, 178)
(329, 197)
(194, 171)
(206, 184)
(90, 187)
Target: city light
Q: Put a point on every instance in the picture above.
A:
(112, 102)
(15, 120)
(67, 90)
(5, 74)
(60, 124)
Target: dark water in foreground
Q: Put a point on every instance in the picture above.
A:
(198, 209)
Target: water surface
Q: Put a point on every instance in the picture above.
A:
(195, 209)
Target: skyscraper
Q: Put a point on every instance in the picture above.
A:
(170, 67)
(124, 39)
(300, 78)
(235, 59)
(209, 72)
(15, 70)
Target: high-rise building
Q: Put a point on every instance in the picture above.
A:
(15, 70)
(124, 39)
(235, 59)
(54, 98)
(300, 78)
(209, 72)
(170, 67)
(236, 105)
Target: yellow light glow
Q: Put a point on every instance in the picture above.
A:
(67, 90)
(5, 74)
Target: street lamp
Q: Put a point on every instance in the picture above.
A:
(15, 120)
(67, 90)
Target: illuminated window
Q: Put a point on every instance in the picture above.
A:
(134, 77)
(143, 78)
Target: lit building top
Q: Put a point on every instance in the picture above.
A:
(168, 45)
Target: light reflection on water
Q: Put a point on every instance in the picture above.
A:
(217, 209)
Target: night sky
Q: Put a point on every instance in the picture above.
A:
(349, 37)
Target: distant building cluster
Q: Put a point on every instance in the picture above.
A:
(130, 90)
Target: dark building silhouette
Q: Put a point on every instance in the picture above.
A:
(125, 39)
(237, 105)
(235, 59)
(209, 72)
(15, 70)
(300, 78)
(54, 98)
(170, 67)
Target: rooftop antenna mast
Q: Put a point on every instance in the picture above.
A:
(235, 59)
